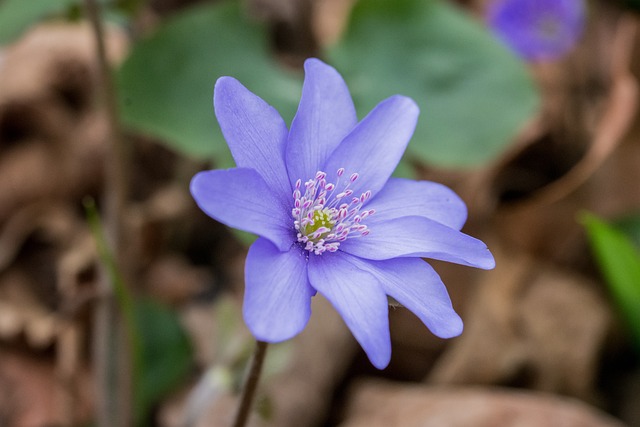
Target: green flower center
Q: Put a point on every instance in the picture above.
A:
(322, 218)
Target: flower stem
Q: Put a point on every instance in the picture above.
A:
(250, 384)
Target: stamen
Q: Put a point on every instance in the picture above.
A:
(320, 220)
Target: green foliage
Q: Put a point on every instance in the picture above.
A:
(619, 261)
(473, 94)
(630, 226)
(166, 85)
(166, 354)
(18, 15)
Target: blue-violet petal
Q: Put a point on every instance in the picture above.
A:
(404, 197)
(415, 284)
(359, 298)
(375, 146)
(325, 116)
(414, 236)
(538, 30)
(277, 298)
(255, 133)
(241, 199)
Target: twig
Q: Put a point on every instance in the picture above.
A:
(250, 384)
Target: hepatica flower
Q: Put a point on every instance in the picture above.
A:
(538, 29)
(330, 220)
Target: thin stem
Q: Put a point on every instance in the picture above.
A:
(250, 384)
(114, 406)
(118, 157)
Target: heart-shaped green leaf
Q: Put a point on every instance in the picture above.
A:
(166, 85)
(473, 93)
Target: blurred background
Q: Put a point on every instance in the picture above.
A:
(120, 301)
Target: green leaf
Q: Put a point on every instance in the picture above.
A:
(166, 354)
(619, 261)
(18, 15)
(166, 85)
(244, 237)
(630, 226)
(473, 94)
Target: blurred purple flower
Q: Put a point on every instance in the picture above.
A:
(329, 217)
(538, 30)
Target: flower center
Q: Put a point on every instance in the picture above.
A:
(324, 217)
(549, 28)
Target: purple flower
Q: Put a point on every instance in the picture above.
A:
(538, 29)
(329, 217)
